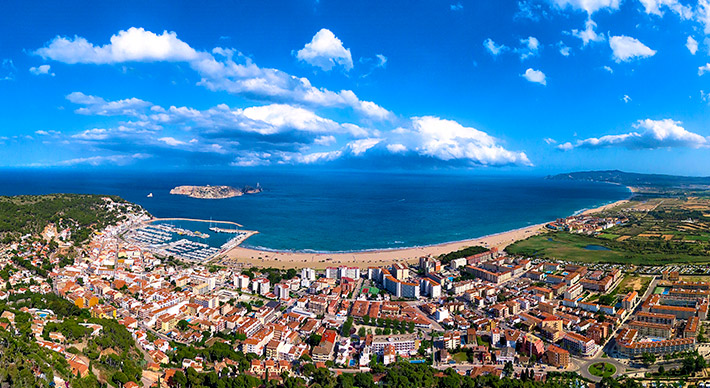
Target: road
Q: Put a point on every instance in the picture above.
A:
(623, 366)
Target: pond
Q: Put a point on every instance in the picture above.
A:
(593, 247)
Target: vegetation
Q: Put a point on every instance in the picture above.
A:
(602, 369)
(24, 214)
(466, 252)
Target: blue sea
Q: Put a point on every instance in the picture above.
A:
(317, 210)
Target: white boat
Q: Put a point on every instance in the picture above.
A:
(150, 195)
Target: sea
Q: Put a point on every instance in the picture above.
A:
(335, 211)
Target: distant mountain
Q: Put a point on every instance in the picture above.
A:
(633, 179)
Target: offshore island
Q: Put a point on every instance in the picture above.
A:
(215, 192)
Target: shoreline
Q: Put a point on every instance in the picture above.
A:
(250, 257)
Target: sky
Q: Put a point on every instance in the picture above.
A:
(528, 86)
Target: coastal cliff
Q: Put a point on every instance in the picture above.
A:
(214, 192)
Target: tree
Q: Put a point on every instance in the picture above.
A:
(661, 370)
(183, 324)
(508, 369)
(119, 378)
(365, 319)
(361, 331)
(178, 379)
(648, 358)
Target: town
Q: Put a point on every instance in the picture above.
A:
(482, 313)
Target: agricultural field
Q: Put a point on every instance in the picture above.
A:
(661, 230)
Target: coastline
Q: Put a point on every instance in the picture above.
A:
(250, 257)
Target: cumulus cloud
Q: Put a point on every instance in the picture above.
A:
(703, 14)
(361, 146)
(448, 140)
(590, 6)
(326, 51)
(41, 70)
(692, 45)
(325, 140)
(221, 69)
(625, 98)
(704, 69)
(530, 48)
(535, 76)
(655, 7)
(134, 44)
(589, 33)
(171, 141)
(625, 48)
(93, 105)
(649, 134)
(494, 48)
(396, 148)
(564, 49)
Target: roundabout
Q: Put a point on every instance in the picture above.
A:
(602, 369)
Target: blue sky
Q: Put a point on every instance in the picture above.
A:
(524, 86)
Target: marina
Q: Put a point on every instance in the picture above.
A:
(187, 239)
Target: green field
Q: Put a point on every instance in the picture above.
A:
(602, 369)
(569, 246)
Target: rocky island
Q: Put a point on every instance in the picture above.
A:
(214, 192)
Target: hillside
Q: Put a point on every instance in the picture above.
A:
(634, 179)
(82, 213)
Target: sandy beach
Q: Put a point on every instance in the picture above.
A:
(258, 258)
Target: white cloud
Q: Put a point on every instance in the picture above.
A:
(654, 7)
(530, 48)
(222, 69)
(448, 140)
(703, 14)
(564, 49)
(48, 133)
(608, 69)
(704, 69)
(565, 146)
(692, 45)
(396, 148)
(316, 157)
(98, 106)
(626, 98)
(132, 45)
(171, 141)
(284, 117)
(535, 76)
(40, 70)
(101, 160)
(93, 134)
(358, 147)
(589, 33)
(493, 48)
(456, 7)
(590, 6)
(325, 140)
(252, 159)
(626, 48)
(651, 134)
(550, 140)
(326, 51)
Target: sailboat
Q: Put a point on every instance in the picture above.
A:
(150, 195)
